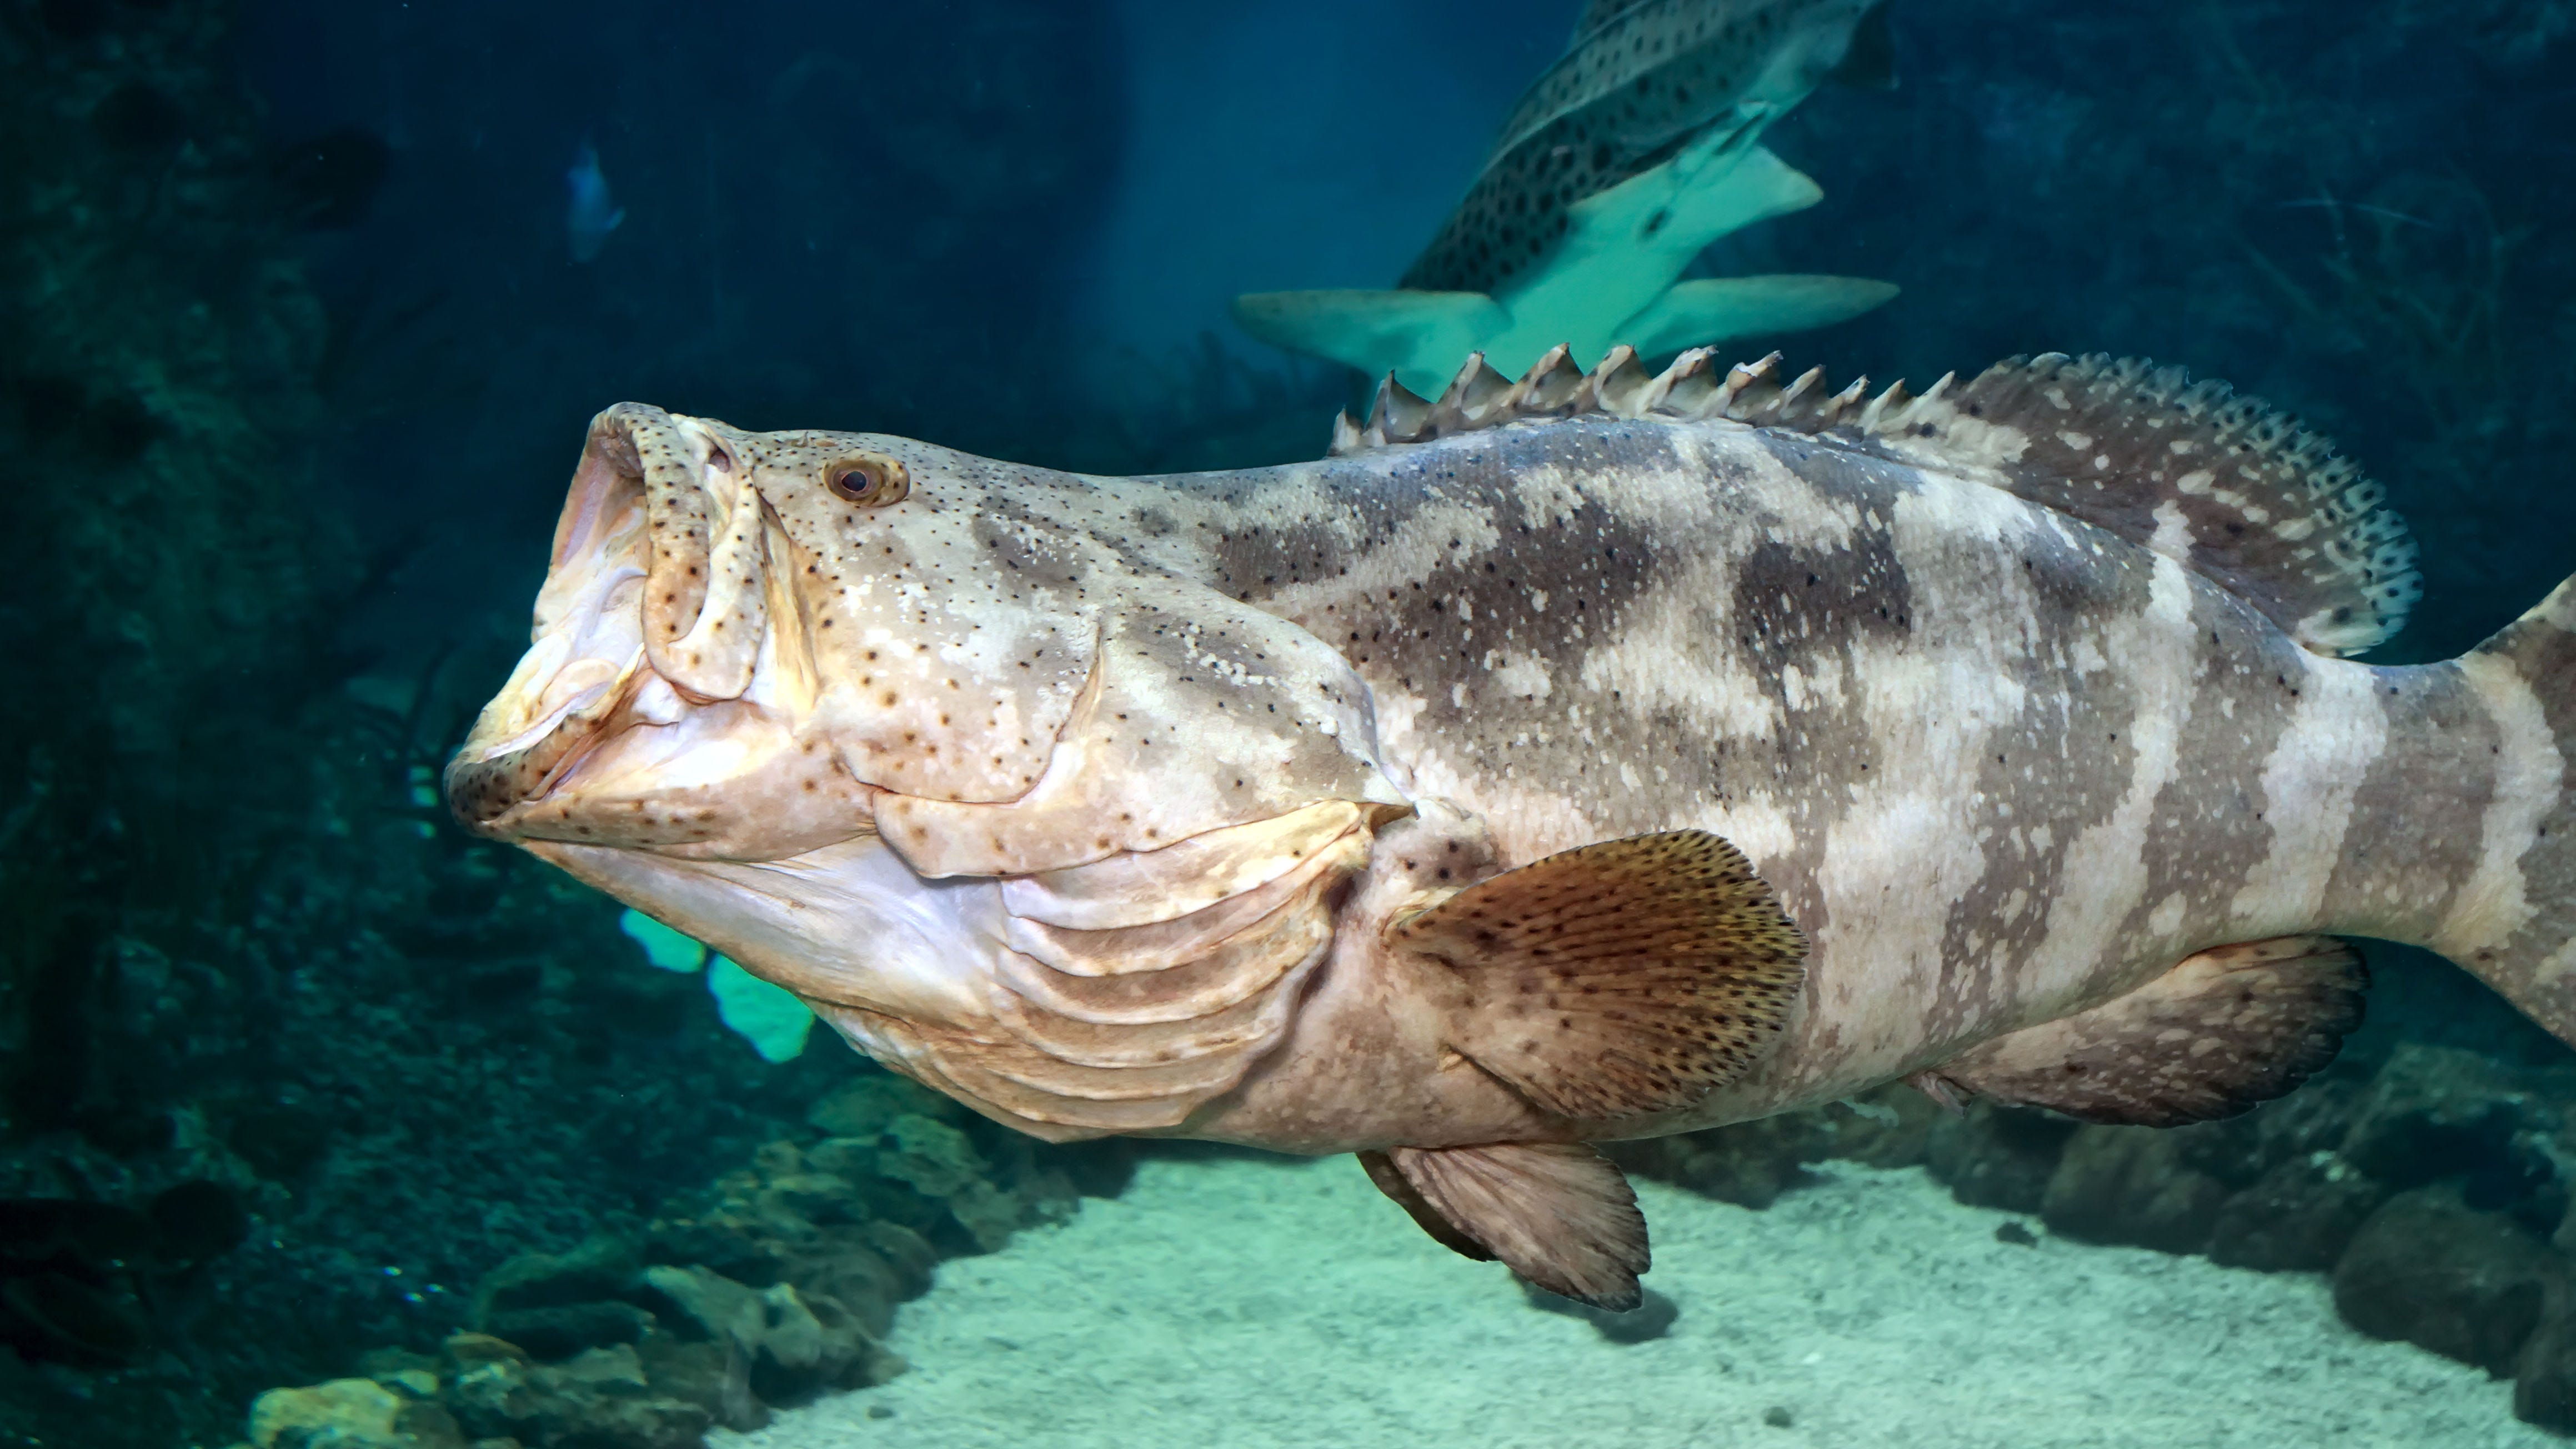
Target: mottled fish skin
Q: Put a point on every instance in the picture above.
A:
(1633, 87)
(2000, 764)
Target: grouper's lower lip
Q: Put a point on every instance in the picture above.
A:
(485, 783)
(483, 786)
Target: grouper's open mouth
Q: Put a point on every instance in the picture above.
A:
(641, 714)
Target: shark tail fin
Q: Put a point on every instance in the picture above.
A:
(1720, 309)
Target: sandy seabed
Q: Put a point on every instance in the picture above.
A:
(1236, 1303)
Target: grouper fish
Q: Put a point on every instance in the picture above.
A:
(1616, 169)
(1564, 759)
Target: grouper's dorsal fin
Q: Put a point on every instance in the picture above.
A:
(2223, 484)
(2227, 485)
(1691, 390)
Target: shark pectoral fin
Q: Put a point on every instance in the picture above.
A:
(1627, 977)
(2227, 1028)
(1716, 309)
(1556, 1213)
(1709, 202)
(1374, 331)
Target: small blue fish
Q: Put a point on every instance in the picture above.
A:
(589, 215)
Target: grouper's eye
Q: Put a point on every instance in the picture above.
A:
(870, 480)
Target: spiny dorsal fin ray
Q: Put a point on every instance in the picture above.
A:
(1471, 399)
(2220, 483)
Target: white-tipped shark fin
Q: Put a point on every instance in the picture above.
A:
(1720, 309)
(1374, 330)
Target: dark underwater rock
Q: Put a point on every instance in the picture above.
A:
(775, 1284)
(2241, 1149)
(351, 1414)
(559, 1332)
(2428, 1269)
(2298, 1217)
(1998, 1157)
(2544, 1377)
(1749, 1164)
(198, 1220)
(2129, 1185)
(61, 1316)
(1891, 1127)
(2435, 1112)
(556, 1306)
(605, 1266)
(601, 1399)
(791, 1346)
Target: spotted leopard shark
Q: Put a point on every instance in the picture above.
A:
(1568, 758)
(1635, 151)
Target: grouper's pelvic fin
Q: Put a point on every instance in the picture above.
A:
(1627, 977)
(1556, 1213)
(2222, 484)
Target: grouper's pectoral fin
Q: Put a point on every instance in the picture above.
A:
(1718, 309)
(1626, 977)
(2228, 1028)
(1418, 334)
(1556, 1213)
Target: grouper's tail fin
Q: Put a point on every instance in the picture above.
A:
(2512, 923)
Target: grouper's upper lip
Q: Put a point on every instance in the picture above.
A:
(546, 726)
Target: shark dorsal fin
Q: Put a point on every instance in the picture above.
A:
(1598, 13)
(2223, 484)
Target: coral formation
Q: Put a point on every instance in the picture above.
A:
(777, 1283)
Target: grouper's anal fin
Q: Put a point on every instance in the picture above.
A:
(1376, 331)
(1556, 1213)
(1721, 309)
(2226, 1029)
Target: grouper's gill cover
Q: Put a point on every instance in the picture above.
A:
(1570, 757)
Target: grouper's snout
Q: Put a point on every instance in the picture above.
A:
(638, 717)
(586, 650)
